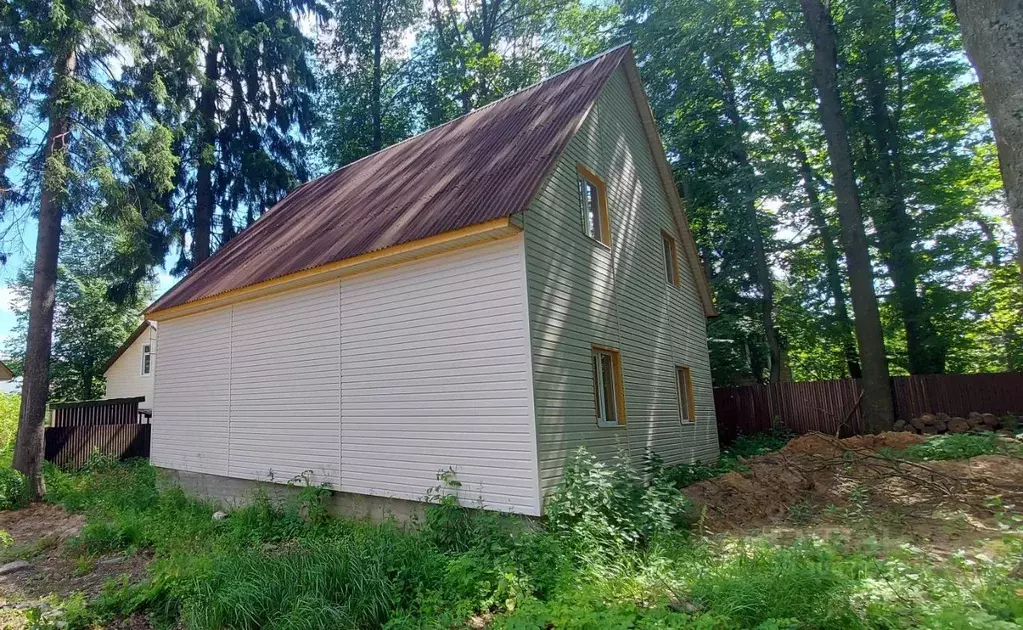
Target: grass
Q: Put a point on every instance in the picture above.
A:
(745, 446)
(961, 446)
(613, 553)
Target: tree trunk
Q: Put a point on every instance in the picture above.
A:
(28, 447)
(993, 38)
(832, 271)
(204, 201)
(375, 104)
(895, 228)
(761, 267)
(877, 398)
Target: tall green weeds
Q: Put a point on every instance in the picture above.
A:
(613, 552)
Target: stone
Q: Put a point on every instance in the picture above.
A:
(900, 425)
(918, 423)
(990, 420)
(941, 425)
(219, 516)
(13, 567)
(975, 419)
(958, 425)
(929, 430)
(929, 419)
(942, 416)
(1009, 421)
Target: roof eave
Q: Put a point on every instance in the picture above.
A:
(396, 254)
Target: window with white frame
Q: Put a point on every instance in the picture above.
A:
(608, 394)
(147, 359)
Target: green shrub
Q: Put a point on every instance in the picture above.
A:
(13, 489)
(612, 503)
(960, 446)
(745, 446)
(9, 407)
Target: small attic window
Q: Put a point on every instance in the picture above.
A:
(147, 359)
(670, 259)
(593, 204)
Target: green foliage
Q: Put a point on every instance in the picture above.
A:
(961, 446)
(743, 447)
(88, 325)
(13, 489)
(10, 405)
(614, 504)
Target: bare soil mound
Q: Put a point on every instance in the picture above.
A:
(40, 521)
(817, 470)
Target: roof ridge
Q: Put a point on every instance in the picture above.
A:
(492, 103)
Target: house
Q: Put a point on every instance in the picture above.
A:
(5, 373)
(129, 371)
(482, 298)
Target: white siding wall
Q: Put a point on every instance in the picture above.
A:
(285, 379)
(582, 293)
(376, 382)
(124, 377)
(436, 374)
(192, 397)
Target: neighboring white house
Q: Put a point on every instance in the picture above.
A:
(129, 372)
(485, 297)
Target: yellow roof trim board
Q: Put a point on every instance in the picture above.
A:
(414, 250)
(670, 188)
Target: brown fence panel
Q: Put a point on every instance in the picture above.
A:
(833, 406)
(70, 447)
(95, 412)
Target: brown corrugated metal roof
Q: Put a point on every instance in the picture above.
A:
(483, 166)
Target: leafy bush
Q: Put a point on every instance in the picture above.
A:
(611, 503)
(13, 489)
(9, 406)
(745, 446)
(960, 446)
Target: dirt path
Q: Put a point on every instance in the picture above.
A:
(41, 570)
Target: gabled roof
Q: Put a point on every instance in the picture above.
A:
(124, 346)
(476, 169)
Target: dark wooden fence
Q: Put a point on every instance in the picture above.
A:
(96, 412)
(70, 447)
(833, 406)
(113, 427)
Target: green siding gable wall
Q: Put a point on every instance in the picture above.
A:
(583, 294)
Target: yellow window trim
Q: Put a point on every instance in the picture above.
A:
(665, 237)
(690, 406)
(605, 221)
(397, 254)
(616, 365)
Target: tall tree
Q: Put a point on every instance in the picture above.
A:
(73, 46)
(88, 324)
(881, 73)
(365, 71)
(877, 400)
(993, 37)
(253, 114)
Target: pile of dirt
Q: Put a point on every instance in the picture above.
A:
(817, 471)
